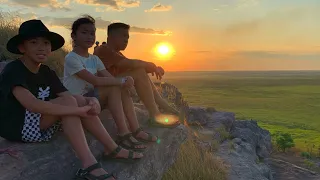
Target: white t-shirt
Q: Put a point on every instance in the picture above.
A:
(75, 63)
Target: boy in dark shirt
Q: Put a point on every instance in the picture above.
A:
(34, 103)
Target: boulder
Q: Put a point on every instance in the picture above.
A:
(56, 159)
(243, 145)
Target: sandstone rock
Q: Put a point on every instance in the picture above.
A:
(249, 131)
(247, 152)
(56, 160)
(197, 116)
(244, 146)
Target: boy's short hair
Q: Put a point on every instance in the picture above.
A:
(115, 26)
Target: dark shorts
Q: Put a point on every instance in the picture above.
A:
(92, 93)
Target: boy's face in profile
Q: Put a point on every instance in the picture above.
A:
(121, 38)
(37, 49)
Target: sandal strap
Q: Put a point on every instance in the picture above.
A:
(125, 137)
(137, 131)
(115, 152)
(130, 156)
(150, 136)
(128, 137)
(83, 172)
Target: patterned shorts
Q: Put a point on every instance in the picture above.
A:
(31, 131)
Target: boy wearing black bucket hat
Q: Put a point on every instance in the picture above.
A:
(34, 103)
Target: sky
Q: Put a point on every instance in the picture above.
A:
(204, 35)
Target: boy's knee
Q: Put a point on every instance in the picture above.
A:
(69, 101)
(81, 101)
(138, 73)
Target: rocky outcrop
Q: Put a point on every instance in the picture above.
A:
(243, 145)
(56, 160)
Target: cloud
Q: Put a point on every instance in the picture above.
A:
(26, 16)
(52, 4)
(159, 8)
(100, 24)
(106, 5)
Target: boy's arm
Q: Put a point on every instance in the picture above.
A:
(27, 99)
(113, 58)
(98, 81)
(74, 67)
(104, 73)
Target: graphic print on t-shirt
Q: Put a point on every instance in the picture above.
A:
(43, 94)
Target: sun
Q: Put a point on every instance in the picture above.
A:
(164, 51)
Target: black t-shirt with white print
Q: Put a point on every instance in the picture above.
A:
(44, 85)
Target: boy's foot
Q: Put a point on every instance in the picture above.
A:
(143, 136)
(122, 154)
(94, 172)
(129, 142)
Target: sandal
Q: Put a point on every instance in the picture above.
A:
(149, 139)
(84, 174)
(113, 156)
(127, 142)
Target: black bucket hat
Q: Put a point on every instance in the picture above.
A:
(34, 28)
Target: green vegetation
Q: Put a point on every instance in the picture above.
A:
(284, 141)
(279, 101)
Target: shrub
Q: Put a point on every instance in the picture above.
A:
(284, 141)
(306, 155)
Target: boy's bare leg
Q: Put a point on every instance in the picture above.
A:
(96, 128)
(73, 130)
(162, 103)
(144, 90)
(113, 97)
(131, 114)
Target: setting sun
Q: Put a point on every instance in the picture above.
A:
(164, 51)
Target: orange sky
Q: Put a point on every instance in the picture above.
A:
(211, 35)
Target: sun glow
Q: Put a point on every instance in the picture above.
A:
(164, 51)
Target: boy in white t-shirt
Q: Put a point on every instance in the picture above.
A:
(85, 74)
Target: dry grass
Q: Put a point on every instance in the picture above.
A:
(194, 163)
(9, 26)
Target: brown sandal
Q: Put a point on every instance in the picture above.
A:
(127, 142)
(149, 139)
(113, 156)
(84, 174)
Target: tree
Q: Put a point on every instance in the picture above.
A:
(284, 141)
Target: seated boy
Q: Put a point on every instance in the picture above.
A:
(85, 74)
(34, 104)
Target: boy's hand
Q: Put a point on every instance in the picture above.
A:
(95, 106)
(129, 82)
(84, 111)
(161, 70)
